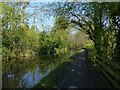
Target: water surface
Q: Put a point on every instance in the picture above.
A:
(27, 72)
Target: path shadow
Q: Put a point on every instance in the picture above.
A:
(75, 73)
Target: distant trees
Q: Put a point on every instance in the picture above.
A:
(78, 39)
(99, 20)
(18, 38)
(61, 23)
(57, 38)
(21, 40)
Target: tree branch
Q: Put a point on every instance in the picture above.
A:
(90, 32)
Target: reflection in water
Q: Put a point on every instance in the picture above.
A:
(28, 72)
(32, 78)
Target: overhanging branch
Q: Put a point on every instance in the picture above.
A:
(80, 18)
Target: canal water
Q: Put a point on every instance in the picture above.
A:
(27, 72)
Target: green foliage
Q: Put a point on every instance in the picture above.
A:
(18, 38)
(57, 40)
(61, 23)
(89, 46)
(78, 39)
(33, 39)
(100, 21)
(45, 42)
(5, 52)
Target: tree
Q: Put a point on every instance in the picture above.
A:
(61, 23)
(15, 30)
(95, 20)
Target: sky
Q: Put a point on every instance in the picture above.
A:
(44, 0)
(39, 18)
(59, 0)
